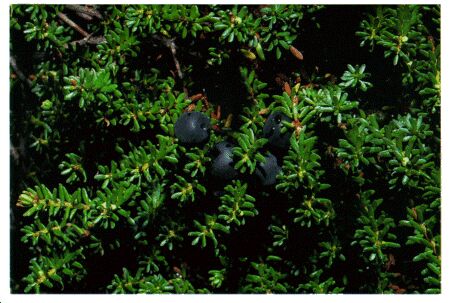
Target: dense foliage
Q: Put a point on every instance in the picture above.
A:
(105, 198)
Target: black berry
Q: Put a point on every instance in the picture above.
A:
(192, 128)
(272, 130)
(268, 171)
(222, 165)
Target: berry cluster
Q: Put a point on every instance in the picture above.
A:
(192, 128)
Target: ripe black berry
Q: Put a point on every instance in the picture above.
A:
(192, 128)
(268, 171)
(222, 165)
(272, 130)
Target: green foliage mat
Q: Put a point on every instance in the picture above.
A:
(105, 198)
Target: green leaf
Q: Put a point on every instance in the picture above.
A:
(273, 258)
(260, 52)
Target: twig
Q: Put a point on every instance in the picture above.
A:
(17, 151)
(85, 10)
(18, 72)
(170, 43)
(84, 16)
(175, 60)
(72, 24)
(88, 38)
